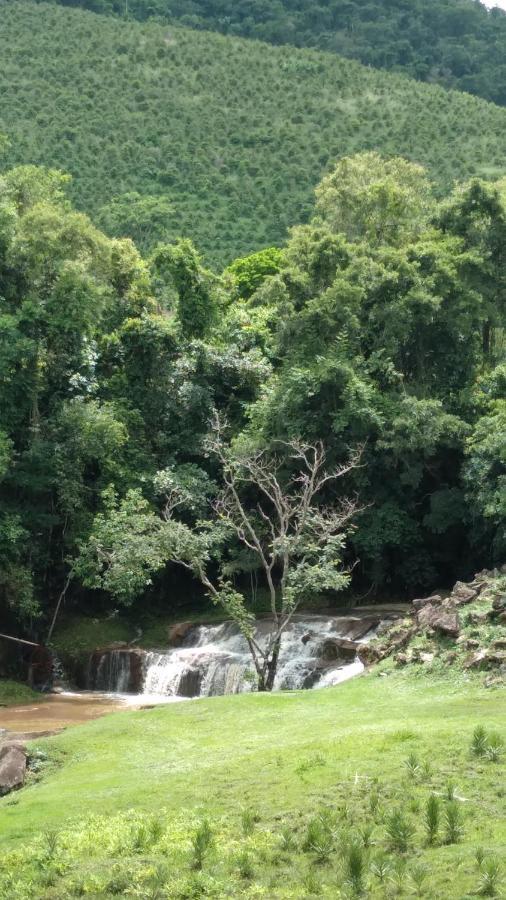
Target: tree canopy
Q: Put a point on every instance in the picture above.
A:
(369, 328)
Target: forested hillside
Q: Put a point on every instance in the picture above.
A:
(456, 43)
(169, 131)
(379, 326)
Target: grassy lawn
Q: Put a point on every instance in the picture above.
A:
(259, 769)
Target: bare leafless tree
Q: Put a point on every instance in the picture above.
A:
(272, 503)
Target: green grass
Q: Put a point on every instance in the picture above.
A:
(234, 134)
(12, 692)
(281, 759)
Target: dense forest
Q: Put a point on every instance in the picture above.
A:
(164, 136)
(379, 325)
(456, 43)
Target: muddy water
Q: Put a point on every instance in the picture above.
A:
(56, 711)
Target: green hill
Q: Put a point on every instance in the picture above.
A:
(226, 138)
(294, 795)
(457, 43)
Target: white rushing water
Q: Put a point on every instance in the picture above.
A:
(215, 659)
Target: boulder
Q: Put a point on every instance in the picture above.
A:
(484, 658)
(498, 644)
(358, 628)
(434, 599)
(369, 654)
(177, 633)
(463, 593)
(499, 605)
(444, 620)
(12, 766)
(338, 648)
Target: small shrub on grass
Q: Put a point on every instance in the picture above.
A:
(453, 823)
(380, 867)
(288, 841)
(432, 818)
(490, 878)
(319, 837)
(479, 741)
(418, 875)
(202, 843)
(397, 876)
(244, 863)
(495, 748)
(450, 790)
(120, 880)
(355, 868)
(412, 766)
(51, 841)
(366, 833)
(249, 818)
(311, 883)
(399, 831)
(479, 856)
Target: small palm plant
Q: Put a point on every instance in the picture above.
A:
(399, 831)
(453, 823)
(490, 877)
(432, 818)
(202, 843)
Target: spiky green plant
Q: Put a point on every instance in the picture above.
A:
(453, 822)
(399, 831)
(490, 878)
(355, 867)
(479, 742)
(432, 818)
(202, 842)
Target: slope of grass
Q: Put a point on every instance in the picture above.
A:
(228, 136)
(259, 769)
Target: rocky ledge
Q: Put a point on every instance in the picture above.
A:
(465, 627)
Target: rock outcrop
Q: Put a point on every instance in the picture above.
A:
(12, 766)
(465, 627)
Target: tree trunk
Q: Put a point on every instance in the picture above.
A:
(267, 676)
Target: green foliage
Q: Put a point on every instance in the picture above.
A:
(136, 114)
(432, 818)
(456, 44)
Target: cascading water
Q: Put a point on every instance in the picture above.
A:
(316, 651)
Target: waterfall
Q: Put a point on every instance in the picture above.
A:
(316, 651)
(115, 671)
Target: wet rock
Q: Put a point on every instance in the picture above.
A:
(12, 766)
(306, 637)
(190, 682)
(444, 620)
(178, 633)
(463, 593)
(338, 648)
(358, 628)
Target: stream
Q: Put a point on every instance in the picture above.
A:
(317, 651)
